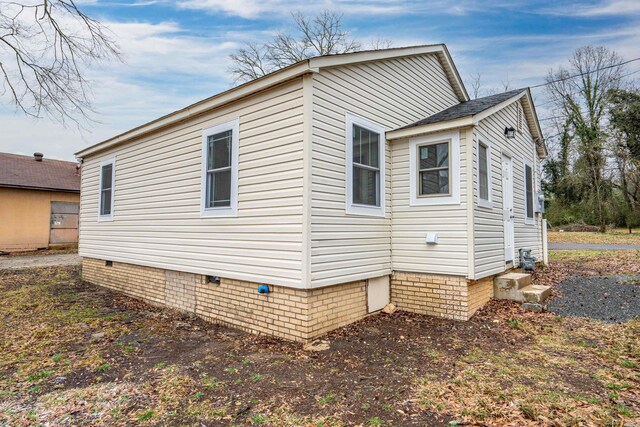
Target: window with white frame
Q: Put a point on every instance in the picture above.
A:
(434, 169)
(365, 166)
(528, 184)
(484, 173)
(220, 170)
(107, 189)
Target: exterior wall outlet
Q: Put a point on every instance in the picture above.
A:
(432, 238)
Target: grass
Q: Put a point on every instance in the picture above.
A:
(548, 370)
(615, 236)
(532, 384)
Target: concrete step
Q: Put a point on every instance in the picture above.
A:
(536, 293)
(510, 285)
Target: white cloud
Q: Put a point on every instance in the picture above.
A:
(595, 9)
(164, 69)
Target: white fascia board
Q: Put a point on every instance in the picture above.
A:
(381, 55)
(372, 55)
(489, 111)
(285, 74)
(430, 128)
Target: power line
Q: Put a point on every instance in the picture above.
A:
(561, 117)
(586, 72)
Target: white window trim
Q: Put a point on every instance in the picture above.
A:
(529, 220)
(232, 209)
(482, 202)
(454, 174)
(357, 209)
(112, 162)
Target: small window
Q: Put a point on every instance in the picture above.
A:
(433, 169)
(528, 183)
(365, 167)
(484, 173)
(220, 170)
(107, 188)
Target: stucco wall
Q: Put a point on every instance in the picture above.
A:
(24, 217)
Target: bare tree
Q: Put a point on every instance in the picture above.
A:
(320, 35)
(45, 48)
(475, 81)
(381, 43)
(579, 95)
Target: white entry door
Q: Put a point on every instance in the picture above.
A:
(507, 207)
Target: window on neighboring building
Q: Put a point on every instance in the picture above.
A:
(365, 167)
(484, 173)
(528, 183)
(107, 184)
(433, 169)
(220, 170)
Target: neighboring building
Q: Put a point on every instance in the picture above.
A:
(39, 200)
(340, 182)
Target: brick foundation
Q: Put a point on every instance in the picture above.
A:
(294, 314)
(451, 297)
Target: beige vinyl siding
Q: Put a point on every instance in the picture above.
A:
(157, 219)
(412, 223)
(391, 93)
(488, 227)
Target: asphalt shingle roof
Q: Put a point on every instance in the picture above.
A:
(465, 109)
(26, 172)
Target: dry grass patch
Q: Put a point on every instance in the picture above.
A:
(574, 375)
(615, 236)
(75, 354)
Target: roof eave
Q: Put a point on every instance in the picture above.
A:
(430, 128)
(32, 187)
(277, 77)
(296, 70)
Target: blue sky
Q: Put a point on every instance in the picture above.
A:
(176, 52)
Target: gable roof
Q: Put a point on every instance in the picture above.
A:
(465, 109)
(469, 113)
(298, 69)
(18, 171)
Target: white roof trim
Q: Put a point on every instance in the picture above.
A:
(473, 120)
(296, 70)
(430, 128)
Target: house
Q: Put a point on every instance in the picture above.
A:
(39, 201)
(301, 201)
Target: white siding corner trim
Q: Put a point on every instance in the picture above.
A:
(232, 209)
(360, 209)
(484, 203)
(109, 216)
(454, 177)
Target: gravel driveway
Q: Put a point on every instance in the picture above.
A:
(29, 261)
(592, 247)
(610, 298)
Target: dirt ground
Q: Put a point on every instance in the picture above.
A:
(75, 354)
(31, 261)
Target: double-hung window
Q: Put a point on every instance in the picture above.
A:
(220, 170)
(434, 169)
(528, 190)
(107, 189)
(365, 167)
(484, 173)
